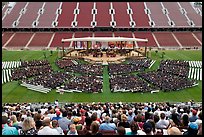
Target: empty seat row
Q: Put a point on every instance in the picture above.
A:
(50, 39)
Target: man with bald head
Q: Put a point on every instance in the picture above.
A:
(47, 128)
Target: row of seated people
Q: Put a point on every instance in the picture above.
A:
(140, 62)
(86, 69)
(166, 81)
(34, 63)
(49, 80)
(90, 84)
(129, 83)
(175, 67)
(62, 63)
(115, 69)
(175, 62)
(27, 72)
(157, 118)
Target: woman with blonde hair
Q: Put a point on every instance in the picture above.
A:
(28, 127)
(124, 123)
(14, 121)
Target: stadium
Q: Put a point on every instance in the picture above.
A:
(96, 57)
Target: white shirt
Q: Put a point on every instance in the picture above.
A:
(48, 131)
(162, 123)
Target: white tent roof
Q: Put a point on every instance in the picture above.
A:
(105, 39)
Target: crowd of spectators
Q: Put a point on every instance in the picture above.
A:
(175, 67)
(102, 118)
(115, 69)
(166, 81)
(49, 80)
(145, 63)
(85, 83)
(129, 83)
(34, 63)
(29, 71)
(62, 63)
(86, 69)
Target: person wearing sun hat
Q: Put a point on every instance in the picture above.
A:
(173, 131)
(194, 116)
(58, 113)
(192, 129)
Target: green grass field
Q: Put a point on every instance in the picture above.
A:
(13, 92)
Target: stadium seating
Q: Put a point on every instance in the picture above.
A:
(5, 7)
(6, 36)
(56, 42)
(186, 39)
(151, 42)
(49, 14)
(139, 16)
(191, 13)
(82, 34)
(103, 18)
(121, 12)
(20, 39)
(40, 40)
(13, 15)
(103, 34)
(198, 35)
(123, 34)
(159, 18)
(166, 39)
(67, 16)
(31, 14)
(85, 17)
(175, 14)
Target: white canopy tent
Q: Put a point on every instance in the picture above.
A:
(105, 39)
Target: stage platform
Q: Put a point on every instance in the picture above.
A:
(104, 60)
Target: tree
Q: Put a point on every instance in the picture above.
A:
(163, 53)
(156, 51)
